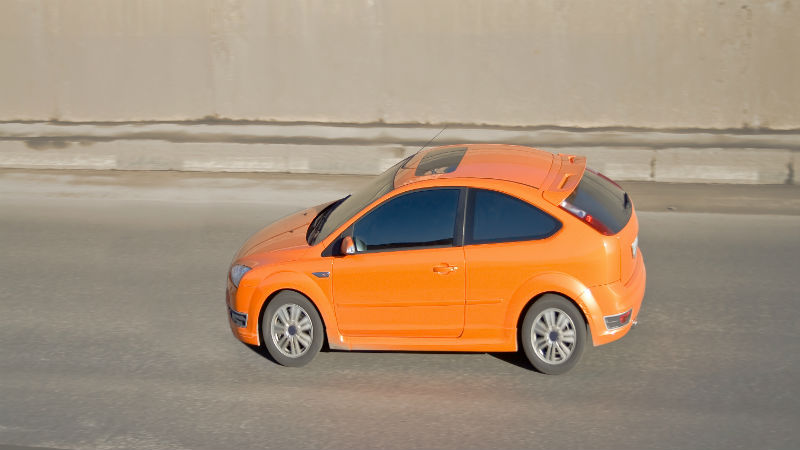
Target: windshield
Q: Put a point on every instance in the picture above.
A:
(351, 205)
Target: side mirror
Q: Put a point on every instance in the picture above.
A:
(347, 247)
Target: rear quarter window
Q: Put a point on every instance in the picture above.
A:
(496, 217)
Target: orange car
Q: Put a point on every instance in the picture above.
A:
(487, 248)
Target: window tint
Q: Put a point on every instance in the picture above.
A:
(497, 217)
(440, 161)
(416, 219)
(353, 204)
(598, 197)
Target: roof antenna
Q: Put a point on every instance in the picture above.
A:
(432, 139)
(405, 166)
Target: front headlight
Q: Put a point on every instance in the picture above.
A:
(237, 272)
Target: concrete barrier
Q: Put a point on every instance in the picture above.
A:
(704, 156)
(678, 91)
(724, 165)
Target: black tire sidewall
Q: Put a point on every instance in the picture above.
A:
(561, 303)
(281, 299)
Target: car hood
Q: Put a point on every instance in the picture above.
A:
(286, 233)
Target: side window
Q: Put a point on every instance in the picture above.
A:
(416, 219)
(497, 217)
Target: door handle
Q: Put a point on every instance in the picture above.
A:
(444, 269)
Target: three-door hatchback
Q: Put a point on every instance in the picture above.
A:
(488, 248)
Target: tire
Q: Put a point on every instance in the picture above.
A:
(291, 329)
(553, 334)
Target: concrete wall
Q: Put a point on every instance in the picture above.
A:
(625, 63)
(672, 156)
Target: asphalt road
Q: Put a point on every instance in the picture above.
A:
(113, 333)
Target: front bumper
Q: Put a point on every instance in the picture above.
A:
(237, 318)
(612, 300)
(239, 322)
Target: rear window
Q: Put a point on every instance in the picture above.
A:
(601, 200)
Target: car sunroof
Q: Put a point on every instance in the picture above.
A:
(440, 161)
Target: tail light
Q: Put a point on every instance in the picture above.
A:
(586, 217)
(619, 320)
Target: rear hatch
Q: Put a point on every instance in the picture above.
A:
(606, 207)
(629, 248)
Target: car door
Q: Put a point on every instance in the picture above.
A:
(507, 241)
(407, 277)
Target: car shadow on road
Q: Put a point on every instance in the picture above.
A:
(515, 358)
(261, 351)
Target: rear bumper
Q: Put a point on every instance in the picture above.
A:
(612, 299)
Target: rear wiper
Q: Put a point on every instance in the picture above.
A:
(626, 201)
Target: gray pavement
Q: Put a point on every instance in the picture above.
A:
(113, 332)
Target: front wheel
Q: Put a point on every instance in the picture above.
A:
(291, 329)
(553, 334)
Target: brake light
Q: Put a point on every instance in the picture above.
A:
(597, 225)
(593, 222)
(599, 174)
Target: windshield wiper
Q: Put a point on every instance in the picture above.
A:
(319, 221)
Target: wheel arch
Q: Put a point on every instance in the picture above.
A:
(279, 282)
(533, 300)
(556, 283)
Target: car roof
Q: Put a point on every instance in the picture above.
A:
(556, 175)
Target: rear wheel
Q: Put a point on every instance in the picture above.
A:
(553, 334)
(291, 329)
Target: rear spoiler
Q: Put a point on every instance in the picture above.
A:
(563, 177)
